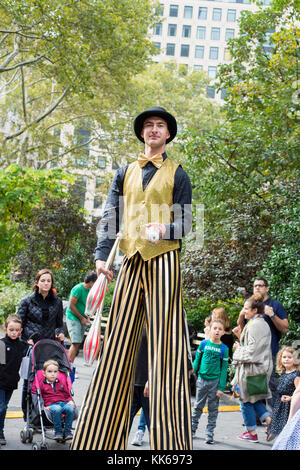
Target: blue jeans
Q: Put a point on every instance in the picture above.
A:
(57, 410)
(249, 412)
(5, 396)
(206, 391)
(142, 423)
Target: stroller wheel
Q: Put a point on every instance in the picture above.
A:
(23, 436)
(30, 435)
(36, 446)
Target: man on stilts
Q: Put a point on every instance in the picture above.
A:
(153, 194)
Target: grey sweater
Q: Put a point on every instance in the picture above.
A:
(254, 357)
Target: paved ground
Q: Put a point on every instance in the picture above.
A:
(229, 423)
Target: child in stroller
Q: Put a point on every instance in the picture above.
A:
(57, 399)
(41, 394)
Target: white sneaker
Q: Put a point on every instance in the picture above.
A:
(138, 440)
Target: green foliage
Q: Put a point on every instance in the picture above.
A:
(72, 268)
(108, 298)
(56, 227)
(282, 268)
(197, 309)
(245, 170)
(63, 62)
(23, 191)
(11, 293)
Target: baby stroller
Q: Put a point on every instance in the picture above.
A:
(38, 419)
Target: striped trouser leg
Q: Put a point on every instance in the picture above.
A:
(169, 392)
(146, 291)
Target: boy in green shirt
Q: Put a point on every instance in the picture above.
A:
(211, 379)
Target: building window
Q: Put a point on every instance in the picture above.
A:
(78, 190)
(231, 15)
(160, 10)
(213, 53)
(201, 32)
(186, 31)
(170, 50)
(173, 11)
(82, 136)
(185, 50)
(198, 68)
(157, 45)
(199, 52)
(97, 198)
(229, 34)
(202, 13)
(157, 29)
(217, 14)
(210, 92)
(102, 162)
(223, 93)
(215, 34)
(172, 29)
(212, 71)
(188, 12)
(227, 55)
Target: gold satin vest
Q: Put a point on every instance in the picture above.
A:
(142, 207)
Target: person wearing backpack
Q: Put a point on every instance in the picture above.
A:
(210, 366)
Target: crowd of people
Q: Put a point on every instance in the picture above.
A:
(148, 294)
(252, 347)
(266, 379)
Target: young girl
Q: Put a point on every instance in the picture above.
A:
(57, 399)
(288, 365)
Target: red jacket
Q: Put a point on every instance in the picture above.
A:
(49, 395)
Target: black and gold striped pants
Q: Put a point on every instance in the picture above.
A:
(147, 293)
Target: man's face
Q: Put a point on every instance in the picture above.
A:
(155, 132)
(259, 287)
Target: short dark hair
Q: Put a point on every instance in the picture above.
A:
(90, 277)
(262, 279)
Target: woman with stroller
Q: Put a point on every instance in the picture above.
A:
(42, 311)
(42, 316)
(57, 399)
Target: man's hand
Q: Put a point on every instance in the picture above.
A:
(155, 229)
(269, 311)
(100, 268)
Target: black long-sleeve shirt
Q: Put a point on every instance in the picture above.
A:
(112, 215)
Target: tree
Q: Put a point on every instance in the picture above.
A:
(21, 191)
(168, 85)
(50, 234)
(56, 58)
(282, 267)
(245, 170)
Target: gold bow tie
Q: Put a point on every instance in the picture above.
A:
(156, 160)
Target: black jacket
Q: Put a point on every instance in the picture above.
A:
(15, 350)
(41, 318)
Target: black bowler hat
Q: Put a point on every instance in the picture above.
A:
(155, 111)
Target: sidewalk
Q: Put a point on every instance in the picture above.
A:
(229, 423)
